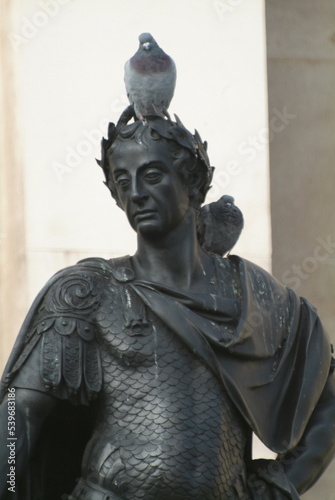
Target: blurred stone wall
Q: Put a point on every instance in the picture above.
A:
(301, 87)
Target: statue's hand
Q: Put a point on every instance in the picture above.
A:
(266, 480)
(305, 463)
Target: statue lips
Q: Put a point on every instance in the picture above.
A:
(140, 215)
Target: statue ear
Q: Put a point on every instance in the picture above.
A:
(196, 181)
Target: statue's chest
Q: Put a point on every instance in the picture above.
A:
(140, 355)
(162, 411)
(146, 365)
(129, 335)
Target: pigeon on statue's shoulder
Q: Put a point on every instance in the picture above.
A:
(219, 225)
(150, 78)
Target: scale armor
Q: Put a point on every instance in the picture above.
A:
(165, 427)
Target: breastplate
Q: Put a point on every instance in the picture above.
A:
(166, 429)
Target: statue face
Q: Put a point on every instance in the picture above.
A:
(151, 192)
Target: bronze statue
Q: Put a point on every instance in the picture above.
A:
(143, 377)
(153, 370)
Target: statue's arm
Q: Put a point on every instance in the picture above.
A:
(305, 463)
(31, 409)
(57, 358)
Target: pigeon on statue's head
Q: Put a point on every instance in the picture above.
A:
(219, 225)
(150, 78)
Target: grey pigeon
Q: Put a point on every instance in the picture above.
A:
(219, 225)
(150, 78)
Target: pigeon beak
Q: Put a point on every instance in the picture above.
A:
(146, 45)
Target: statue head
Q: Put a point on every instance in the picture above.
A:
(188, 153)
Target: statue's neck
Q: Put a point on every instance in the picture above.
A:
(175, 259)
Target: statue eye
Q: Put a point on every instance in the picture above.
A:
(153, 176)
(122, 181)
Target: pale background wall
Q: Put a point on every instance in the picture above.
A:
(67, 57)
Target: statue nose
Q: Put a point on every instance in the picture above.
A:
(137, 192)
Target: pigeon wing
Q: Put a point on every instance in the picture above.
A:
(149, 92)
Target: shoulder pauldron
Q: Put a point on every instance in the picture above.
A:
(64, 326)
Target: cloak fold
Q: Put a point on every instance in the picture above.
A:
(275, 364)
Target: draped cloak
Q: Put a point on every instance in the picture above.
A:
(275, 364)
